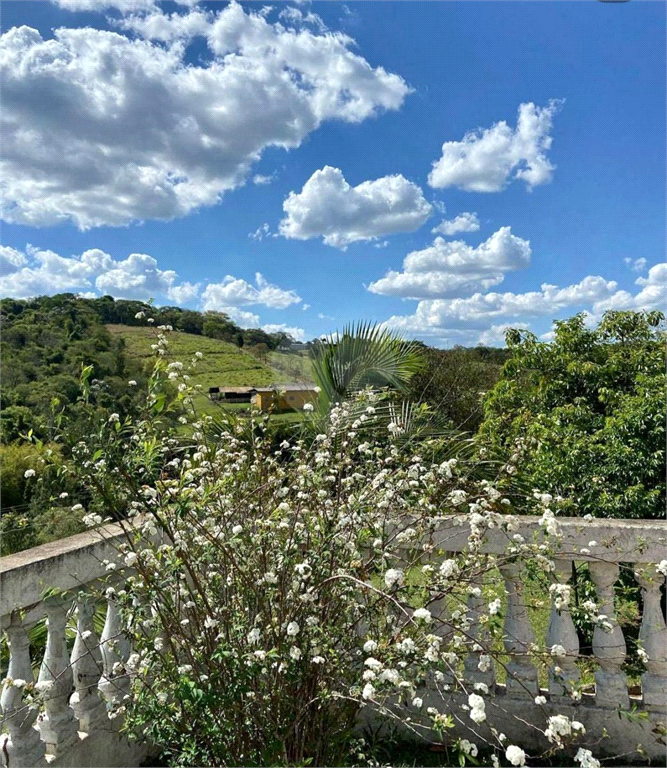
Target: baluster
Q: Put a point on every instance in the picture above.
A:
(561, 632)
(653, 634)
(86, 665)
(611, 685)
(115, 647)
(442, 628)
(477, 609)
(518, 635)
(58, 725)
(23, 745)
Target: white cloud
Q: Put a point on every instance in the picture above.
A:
(329, 207)
(486, 160)
(235, 292)
(298, 334)
(11, 260)
(491, 313)
(42, 271)
(297, 18)
(125, 6)
(305, 307)
(261, 179)
(80, 145)
(260, 233)
(448, 268)
(636, 265)
(464, 222)
(495, 335)
(653, 293)
(241, 317)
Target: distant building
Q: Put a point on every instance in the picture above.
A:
(284, 396)
(232, 394)
(291, 346)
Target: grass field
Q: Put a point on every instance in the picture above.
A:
(222, 364)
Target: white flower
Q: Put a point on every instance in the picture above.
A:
(484, 663)
(184, 669)
(558, 650)
(422, 614)
(449, 568)
(540, 700)
(19, 683)
(44, 686)
(261, 655)
(368, 692)
(494, 607)
(417, 703)
(370, 646)
(393, 576)
(132, 383)
(373, 664)
(237, 529)
(209, 622)
(270, 577)
(585, 757)
(477, 708)
(662, 568)
(292, 629)
(295, 653)
(158, 644)
(77, 507)
(559, 726)
(162, 698)
(29, 473)
(318, 659)
(130, 559)
(468, 747)
(515, 755)
(308, 407)
(253, 636)
(139, 316)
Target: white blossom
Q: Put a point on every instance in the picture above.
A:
(515, 755)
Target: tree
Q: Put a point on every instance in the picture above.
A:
(588, 414)
(454, 382)
(364, 355)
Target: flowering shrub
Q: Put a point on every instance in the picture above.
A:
(273, 596)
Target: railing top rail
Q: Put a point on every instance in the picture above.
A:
(66, 564)
(618, 541)
(70, 563)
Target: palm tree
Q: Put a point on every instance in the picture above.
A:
(365, 354)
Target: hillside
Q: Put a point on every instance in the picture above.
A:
(223, 364)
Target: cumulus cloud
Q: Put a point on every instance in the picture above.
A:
(491, 313)
(450, 267)
(464, 222)
(636, 265)
(11, 260)
(42, 271)
(80, 145)
(124, 6)
(235, 292)
(653, 293)
(487, 160)
(37, 272)
(330, 208)
(298, 334)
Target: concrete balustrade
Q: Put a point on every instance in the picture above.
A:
(74, 729)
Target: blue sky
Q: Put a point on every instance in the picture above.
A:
(305, 143)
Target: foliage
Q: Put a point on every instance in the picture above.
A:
(454, 382)
(589, 409)
(276, 593)
(362, 355)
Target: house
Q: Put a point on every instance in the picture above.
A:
(284, 396)
(232, 394)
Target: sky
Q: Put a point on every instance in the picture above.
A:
(449, 169)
